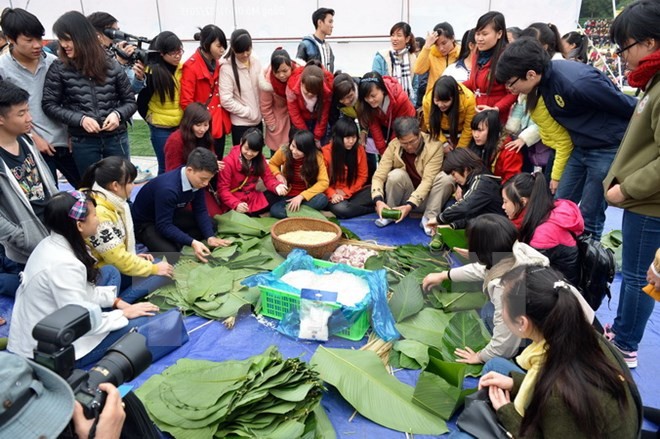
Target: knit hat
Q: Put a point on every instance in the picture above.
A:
(35, 401)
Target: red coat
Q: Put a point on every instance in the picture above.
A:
(174, 158)
(360, 179)
(298, 112)
(400, 105)
(199, 85)
(498, 97)
(231, 178)
(506, 163)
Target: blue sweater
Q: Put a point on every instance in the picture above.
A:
(585, 102)
(158, 200)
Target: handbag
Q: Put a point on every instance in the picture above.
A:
(165, 332)
(479, 418)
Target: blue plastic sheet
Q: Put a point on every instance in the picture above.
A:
(382, 320)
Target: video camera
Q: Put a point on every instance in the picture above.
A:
(139, 54)
(125, 359)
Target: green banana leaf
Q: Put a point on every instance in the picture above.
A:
(436, 395)
(409, 354)
(306, 212)
(453, 302)
(407, 298)
(453, 238)
(234, 223)
(427, 326)
(362, 380)
(323, 428)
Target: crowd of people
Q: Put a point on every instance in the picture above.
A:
(507, 133)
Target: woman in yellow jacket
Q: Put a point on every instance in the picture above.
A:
(300, 166)
(158, 102)
(448, 111)
(111, 181)
(439, 51)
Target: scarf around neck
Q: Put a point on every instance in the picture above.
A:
(532, 360)
(647, 68)
(401, 70)
(124, 211)
(484, 57)
(279, 87)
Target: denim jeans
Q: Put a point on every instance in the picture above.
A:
(582, 182)
(159, 136)
(62, 160)
(135, 288)
(641, 239)
(501, 365)
(278, 210)
(487, 315)
(109, 276)
(88, 150)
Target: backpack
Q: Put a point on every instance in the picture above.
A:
(597, 268)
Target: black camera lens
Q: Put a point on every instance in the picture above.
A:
(125, 360)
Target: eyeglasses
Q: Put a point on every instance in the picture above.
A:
(620, 51)
(409, 143)
(511, 83)
(175, 53)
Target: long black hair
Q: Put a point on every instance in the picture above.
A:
(638, 21)
(463, 161)
(490, 238)
(309, 171)
(240, 42)
(496, 20)
(208, 35)
(581, 43)
(344, 167)
(108, 170)
(468, 38)
(162, 72)
(491, 119)
(575, 363)
(368, 82)
(89, 58)
(547, 34)
(254, 139)
(444, 89)
(56, 219)
(193, 114)
(539, 201)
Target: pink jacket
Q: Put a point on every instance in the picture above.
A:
(275, 112)
(243, 107)
(564, 219)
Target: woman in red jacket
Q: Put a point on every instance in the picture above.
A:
(309, 95)
(199, 82)
(381, 101)
(346, 161)
(244, 166)
(193, 132)
(491, 39)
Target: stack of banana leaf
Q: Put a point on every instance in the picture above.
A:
(263, 396)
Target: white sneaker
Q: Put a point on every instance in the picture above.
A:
(423, 223)
(143, 176)
(382, 222)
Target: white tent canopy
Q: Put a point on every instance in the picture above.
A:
(361, 27)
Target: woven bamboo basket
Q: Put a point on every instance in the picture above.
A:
(320, 251)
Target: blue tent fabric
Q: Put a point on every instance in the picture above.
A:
(251, 335)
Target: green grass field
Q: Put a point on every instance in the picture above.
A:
(140, 141)
(138, 137)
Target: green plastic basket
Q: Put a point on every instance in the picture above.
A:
(277, 303)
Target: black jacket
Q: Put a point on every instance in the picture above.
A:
(68, 96)
(482, 193)
(566, 260)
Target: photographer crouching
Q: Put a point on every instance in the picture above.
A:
(38, 403)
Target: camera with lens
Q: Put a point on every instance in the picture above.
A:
(139, 54)
(123, 361)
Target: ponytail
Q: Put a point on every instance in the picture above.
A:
(575, 362)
